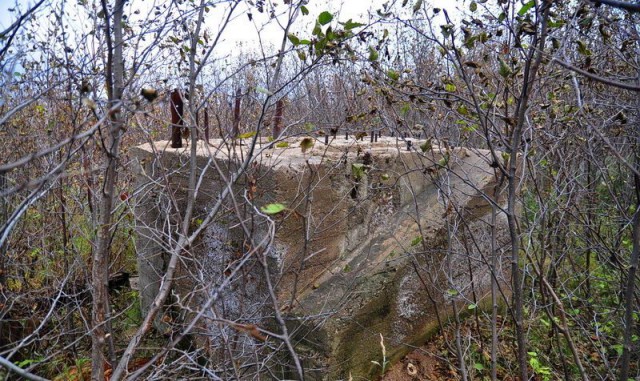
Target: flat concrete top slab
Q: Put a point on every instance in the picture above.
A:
(288, 152)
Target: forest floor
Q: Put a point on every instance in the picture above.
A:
(436, 359)
(421, 364)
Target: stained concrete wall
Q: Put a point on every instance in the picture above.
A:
(387, 249)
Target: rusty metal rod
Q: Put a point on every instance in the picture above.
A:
(177, 110)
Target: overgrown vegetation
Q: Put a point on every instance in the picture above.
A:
(550, 89)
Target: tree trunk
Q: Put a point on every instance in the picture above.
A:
(4, 218)
(114, 128)
(630, 287)
(277, 118)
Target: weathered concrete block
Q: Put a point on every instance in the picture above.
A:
(376, 239)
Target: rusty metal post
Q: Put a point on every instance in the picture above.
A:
(236, 114)
(177, 110)
(277, 119)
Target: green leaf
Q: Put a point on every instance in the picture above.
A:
(273, 208)
(582, 48)
(282, 145)
(294, 40)
(471, 128)
(392, 74)
(357, 170)
(473, 6)
(27, 362)
(525, 8)
(463, 110)
(384, 177)
(450, 87)
(325, 18)
(470, 42)
(504, 70)
(306, 144)
(556, 24)
(478, 366)
(247, 135)
(473, 307)
(416, 241)
(426, 146)
(331, 36)
(317, 30)
(304, 10)
(405, 109)
(373, 54)
(452, 292)
(350, 24)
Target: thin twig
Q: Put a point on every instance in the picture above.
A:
(597, 78)
(19, 371)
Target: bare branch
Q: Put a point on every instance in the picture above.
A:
(19, 371)
(26, 103)
(26, 159)
(631, 7)
(596, 78)
(13, 29)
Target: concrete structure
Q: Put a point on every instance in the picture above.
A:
(377, 239)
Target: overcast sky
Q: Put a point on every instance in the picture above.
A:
(242, 34)
(363, 11)
(355, 9)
